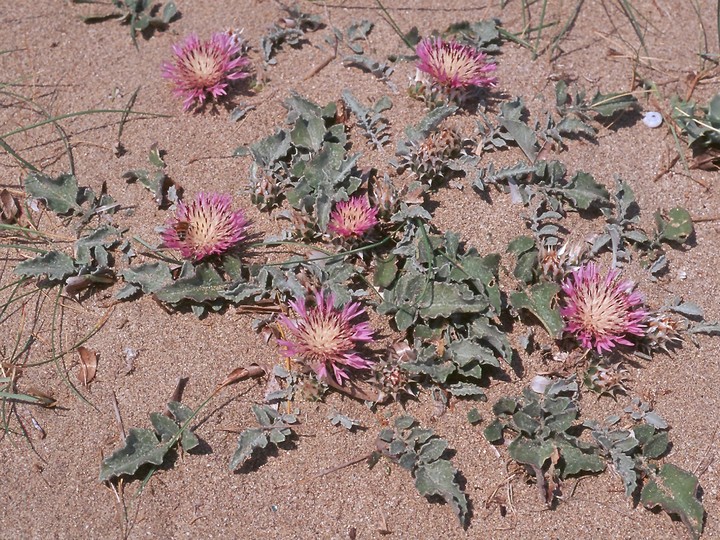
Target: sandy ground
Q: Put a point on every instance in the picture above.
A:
(49, 487)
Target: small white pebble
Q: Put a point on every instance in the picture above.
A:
(652, 119)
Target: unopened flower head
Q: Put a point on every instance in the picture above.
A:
(205, 226)
(353, 218)
(325, 337)
(200, 68)
(453, 68)
(601, 312)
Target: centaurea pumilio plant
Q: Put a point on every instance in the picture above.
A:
(202, 68)
(451, 69)
(602, 312)
(325, 337)
(205, 226)
(353, 219)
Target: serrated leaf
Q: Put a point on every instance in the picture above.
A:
(60, 194)
(164, 426)
(465, 351)
(494, 432)
(150, 277)
(446, 299)
(249, 440)
(530, 451)
(438, 478)
(675, 491)
(677, 227)
(432, 450)
(429, 123)
(521, 133)
(474, 417)
(656, 446)
(203, 285)
(404, 422)
(182, 414)
(625, 467)
(577, 461)
(525, 422)
(465, 389)
(103, 237)
(539, 303)
(505, 405)
(688, 309)
(55, 264)
(521, 244)
(584, 191)
(141, 447)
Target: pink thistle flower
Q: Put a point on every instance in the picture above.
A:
(601, 312)
(202, 68)
(206, 226)
(453, 68)
(325, 337)
(353, 218)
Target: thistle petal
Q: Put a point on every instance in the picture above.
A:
(353, 218)
(200, 68)
(602, 312)
(325, 337)
(205, 226)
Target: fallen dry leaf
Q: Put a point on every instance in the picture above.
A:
(242, 373)
(9, 209)
(88, 365)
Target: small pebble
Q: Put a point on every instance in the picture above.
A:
(652, 119)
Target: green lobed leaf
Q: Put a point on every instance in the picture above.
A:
(432, 450)
(446, 299)
(55, 264)
(204, 284)
(438, 478)
(429, 123)
(102, 237)
(584, 191)
(511, 119)
(141, 447)
(60, 194)
(530, 451)
(656, 446)
(494, 432)
(675, 491)
(249, 440)
(539, 302)
(182, 414)
(577, 461)
(150, 277)
(474, 417)
(677, 227)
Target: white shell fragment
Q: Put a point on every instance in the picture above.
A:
(652, 119)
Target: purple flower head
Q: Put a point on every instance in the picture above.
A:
(453, 68)
(206, 226)
(325, 337)
(202, 68)
(353, 218)
(601, 312)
